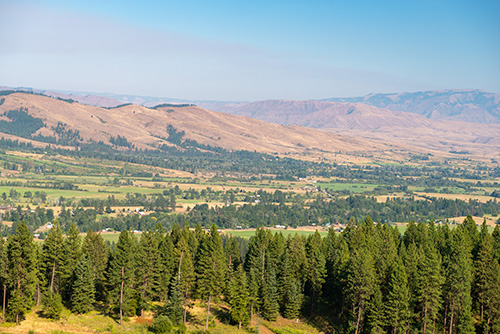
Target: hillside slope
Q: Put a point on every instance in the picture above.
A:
(147, 128)
(361, 120)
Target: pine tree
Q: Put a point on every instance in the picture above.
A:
(41, 280)
(210, 266)
(253, 284)
(147, 269)
(491, 314)
(270, 306)
(73, 245)
(496, 242)
(360, 286)
(83, 296)
(54, 259)
(165, 263)
(238, 297)
(459, 276)
(232, 254)
(94, 247)
(52, 305)
(184, 275)
(121, 275)
(4, 274)
(396, 308)
(22, 271)
(487, 285)
(316, 267)
(429, 280)
(293, 300)
(289, 289)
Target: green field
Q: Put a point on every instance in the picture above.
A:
(352, 187)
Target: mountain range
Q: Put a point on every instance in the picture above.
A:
(426, 122)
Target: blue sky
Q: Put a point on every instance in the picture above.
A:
(250, 50)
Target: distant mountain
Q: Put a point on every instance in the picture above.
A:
(320, 114)
(460, 105)
(366, 121)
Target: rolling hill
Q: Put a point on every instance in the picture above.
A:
(305, 129)
(363, 120)
(147, 128)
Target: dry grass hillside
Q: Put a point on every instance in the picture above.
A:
(364, 121)
(328, 128)
(147, 128)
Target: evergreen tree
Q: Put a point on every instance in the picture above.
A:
(54, 259)
(238, 297)
(73, 247)
(165, 263)
(316, 271)
(210, 266)
(429, 280)
(487, 286)
(360, 286)
(121, 275)
(396, 308)
(270, 306)
(185, 276)
(289, 287)
(491, 314)
(496, 242)
(94, 247)
(83, 296)
(52, 305)
(232, 254)
(459, 276)
(4, 274)
(22, 271)
(253, 284)
(147, 269)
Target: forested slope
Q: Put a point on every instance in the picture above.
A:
(367, 279)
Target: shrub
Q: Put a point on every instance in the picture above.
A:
(52, 305)
(161, 325)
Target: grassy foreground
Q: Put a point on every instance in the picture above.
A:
(95, 322)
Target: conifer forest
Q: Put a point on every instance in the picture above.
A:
(367, 279)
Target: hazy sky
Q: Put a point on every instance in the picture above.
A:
(250, 50)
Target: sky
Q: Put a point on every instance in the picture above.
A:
(250, 50)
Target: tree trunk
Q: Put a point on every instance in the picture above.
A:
(451, 317)
(360, 310)
(239, 324)
(425, 320)
(38, 295)
(121, 296)
(180, 265)
(445, 318)
(53, 274)
(251, 311)
(208, 311)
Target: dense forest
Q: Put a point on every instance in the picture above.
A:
(368, 279)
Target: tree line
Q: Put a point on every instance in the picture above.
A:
(368, 279)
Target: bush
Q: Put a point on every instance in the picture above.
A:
(161, 325)
(52, 305)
